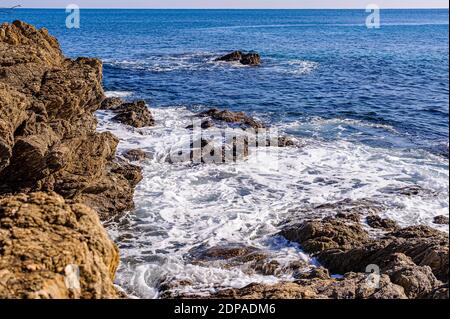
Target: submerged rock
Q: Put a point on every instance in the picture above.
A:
(204, 124)
(441, 220)
(134, 114)
(232, 117)
(251, 58)
(212, 151)
(135, 155)
(376, 221)
(330, 233)
(54, 249)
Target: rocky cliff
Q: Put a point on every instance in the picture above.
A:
(49, 144)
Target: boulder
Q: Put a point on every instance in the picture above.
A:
(417, 281)
(135, 155)
(331, 233)
(376, 221)
(53, 249)
(441, 220)
(134, 114)
(226, 116)
(251, 58)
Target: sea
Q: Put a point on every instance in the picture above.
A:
(369, 106)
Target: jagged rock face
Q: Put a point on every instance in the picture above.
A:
(48, 140)
(45, 241)
(415, 258)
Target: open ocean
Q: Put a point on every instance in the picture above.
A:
(370, 105)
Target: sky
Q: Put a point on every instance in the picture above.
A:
(291, 4)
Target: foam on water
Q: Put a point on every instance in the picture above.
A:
(204, 61)
(121, 94)
(182, 206)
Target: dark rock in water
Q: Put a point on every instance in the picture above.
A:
(46, 242)
(135, 155)
(135, 114)
(204, 124)
(376, 221)
(412, 190)
(331, 233)
(242, 253)
(284, 141)
(230, 57)
(251, 58)
(441, 220)
(111, 103)
(232, 117)
(212, 151)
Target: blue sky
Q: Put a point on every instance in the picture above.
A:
(228, 3)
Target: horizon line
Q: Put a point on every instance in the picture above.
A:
(190, 8)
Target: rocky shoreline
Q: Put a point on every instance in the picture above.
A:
(60, 179)
(58, 176)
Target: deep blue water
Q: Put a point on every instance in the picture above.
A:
(385, 87)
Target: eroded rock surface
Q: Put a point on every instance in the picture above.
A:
(48, 138)
(45, 242)
(135, 114)
(415, 258)
(49, 148)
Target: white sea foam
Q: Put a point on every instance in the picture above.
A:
(200, 61)
(122, 94)
(301, 67)
(180, 207)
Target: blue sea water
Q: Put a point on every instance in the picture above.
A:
(370, 106)
(317, 63)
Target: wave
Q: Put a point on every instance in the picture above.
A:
(205, 61)
(179, 207)
(121, 94)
